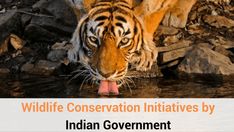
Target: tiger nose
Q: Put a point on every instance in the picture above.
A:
(106, 74)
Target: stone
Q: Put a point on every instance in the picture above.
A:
(16, 42)
(28, 68)
(174, 51)
(42, 67)
(222, 50)
(164, 30)
(153, 72)
(47, 67)
(2, 10)
(25, 19)
(225, 43)
(195, 29)
(169, 40)
(4, 46)
(59, 52)
(203, 60)
(178, 45)
(173, 55)
(61, 46)
(220, 1)
(28, 2)
(37, 33)
(58, 20)
(8, 1)
(170, 64)
(9, 23)
(219, 21)
(57, 55)
(4, 71)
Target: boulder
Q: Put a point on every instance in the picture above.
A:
(42, 67)
(28, 2)
(164, 30)
(179, 45)
(57, 55)
(222, 50)
(9, 23)
(35, 32)
(4, 71)
(203, 60)
(55, 18)
(219, 21)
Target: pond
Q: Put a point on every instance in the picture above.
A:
(28, 86)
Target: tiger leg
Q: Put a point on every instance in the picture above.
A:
(178, 15)
(151, 12)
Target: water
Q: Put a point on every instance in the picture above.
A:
(28, 86)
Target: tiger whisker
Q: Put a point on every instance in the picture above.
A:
(77, 75)
(126, 84)
(131, 81)
(85, 79)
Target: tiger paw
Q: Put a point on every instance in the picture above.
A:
(146, 60)
(178, 15)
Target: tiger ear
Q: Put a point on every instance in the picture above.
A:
(151, 12)
(80, 7)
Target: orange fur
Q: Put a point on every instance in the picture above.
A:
(108, 58)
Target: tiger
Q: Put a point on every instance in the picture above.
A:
(113, 35)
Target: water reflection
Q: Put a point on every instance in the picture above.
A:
(55, 87)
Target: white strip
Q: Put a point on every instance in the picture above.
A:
(220, 119)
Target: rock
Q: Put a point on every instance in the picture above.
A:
(178, 45)
(25, 19)
(3, 10)
(16, 42)
(173, 55)
(37, 33)
(47, 67)
(174, 51)
(57, 55)
(4, 46)
(58, 20)
(170, 64)
(222, 50)
(153, 72)
(4, 71)
(28, 68)
(59, 9)
(42, 67)
(225, 43)
(220, 1)
(28, 2)
(9, 23)
(8, 1)
(196, 29)
(59, 52)
(164, 30)
(203, 60)
(61, 46)
(219, 21)
(169, 40)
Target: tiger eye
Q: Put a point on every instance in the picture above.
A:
(125, 41)
(93, 39)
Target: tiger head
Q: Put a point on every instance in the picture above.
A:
(112, 35)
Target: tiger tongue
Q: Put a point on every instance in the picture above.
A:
(106, 87)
